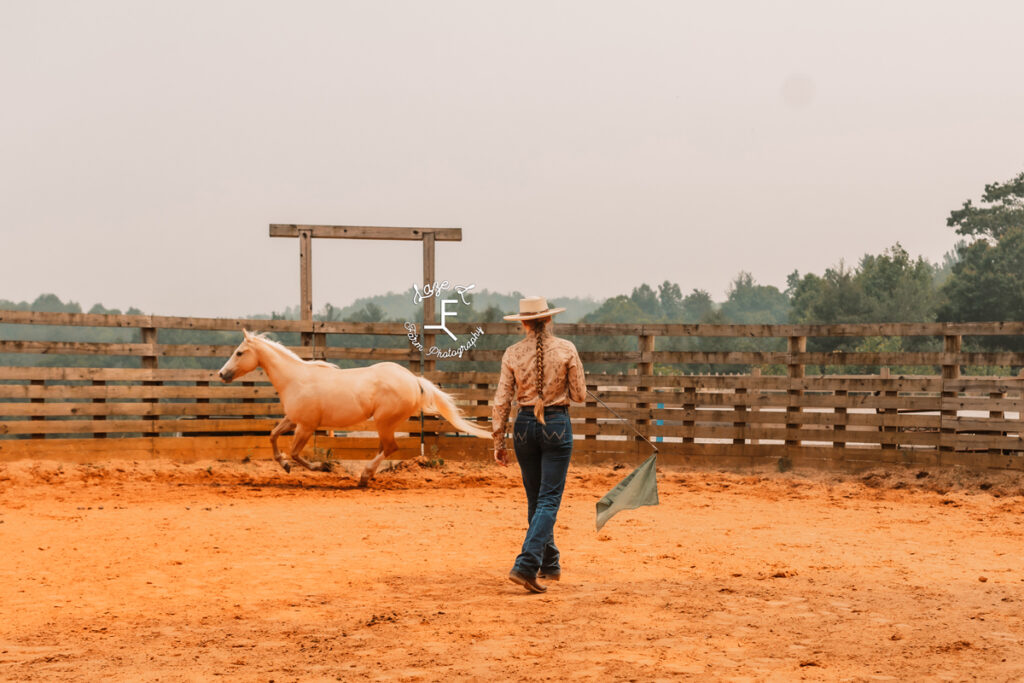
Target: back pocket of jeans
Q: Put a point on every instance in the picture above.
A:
(557, 434)
(520, 432)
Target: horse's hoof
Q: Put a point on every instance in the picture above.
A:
(324, 466)
(287, 467)
(363, 481)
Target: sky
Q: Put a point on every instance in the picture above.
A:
(584, 148)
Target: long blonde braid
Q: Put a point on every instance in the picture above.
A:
(537, 326)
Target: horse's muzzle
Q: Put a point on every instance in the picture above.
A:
(226, 376)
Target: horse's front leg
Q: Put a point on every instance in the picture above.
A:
(302, 434)
(282, 427)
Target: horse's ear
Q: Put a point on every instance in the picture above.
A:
(247, 334)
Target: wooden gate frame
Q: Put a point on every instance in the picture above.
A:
(306, 234)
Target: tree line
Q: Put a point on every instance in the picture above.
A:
(980, 279)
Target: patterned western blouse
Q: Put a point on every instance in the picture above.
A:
(563, 378)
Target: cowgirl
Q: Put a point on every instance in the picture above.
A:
(543, 373)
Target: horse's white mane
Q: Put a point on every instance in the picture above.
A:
(262, 336)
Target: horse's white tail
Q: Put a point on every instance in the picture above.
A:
(435, 401)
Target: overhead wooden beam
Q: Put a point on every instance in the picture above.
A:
(366, 232)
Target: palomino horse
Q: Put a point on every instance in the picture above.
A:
(318, 394)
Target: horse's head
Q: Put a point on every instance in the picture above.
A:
(242, 361)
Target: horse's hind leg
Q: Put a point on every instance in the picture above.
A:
(282, 427)
(388, 445)
(302, 434)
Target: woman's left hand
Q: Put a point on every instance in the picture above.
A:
(500, 455)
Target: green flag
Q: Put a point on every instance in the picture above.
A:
(639, 488)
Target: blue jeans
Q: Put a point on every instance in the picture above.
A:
(543, 452)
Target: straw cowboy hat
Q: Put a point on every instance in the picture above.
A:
(533, 307)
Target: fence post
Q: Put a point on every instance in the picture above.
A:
(645, 368)
(952, 344)
(796, 372)
(754, 393)
(591, 407)
(1020, 411)
(885, 374)
(740, 419)
(150, 362)
(839, 426)
(997, 415)
(202, 400)
(690, 406)
(483, 419)
(249, 385)
(99, 418)
(319, 346)
(38, 418)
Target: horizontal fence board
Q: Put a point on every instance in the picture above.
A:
(894, 419)
(754, 397)
(672, 397)
(121, 409)
(597, 329)
(118, 374)
(713, 455)
(668, 382)
(112, 426)
(867, 383)
(984, 384)
(204, 350)
(136, 391)
(923, 358)
(969, 442)
(981, 424)
(808, 400)
(66, 409)
(167, 425)
(679, 413)
(183, 449)
(410, 354)
(968, 403)
(809, 418)
(765, 433)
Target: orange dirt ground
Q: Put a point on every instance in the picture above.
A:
(165, 571)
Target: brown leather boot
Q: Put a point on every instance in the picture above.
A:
(527, 582)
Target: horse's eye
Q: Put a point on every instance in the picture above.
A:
(238, 353)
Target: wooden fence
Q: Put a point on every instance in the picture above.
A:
(785, 405)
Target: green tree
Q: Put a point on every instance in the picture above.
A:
(749, 302)
(51, 303)
(647, 301)
(671, 299)
(697, 307)
(370, 313)
(897, 288)
(837, 296)
(986, 280)
(888, 287)
(1002, 211)
(620, 309)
